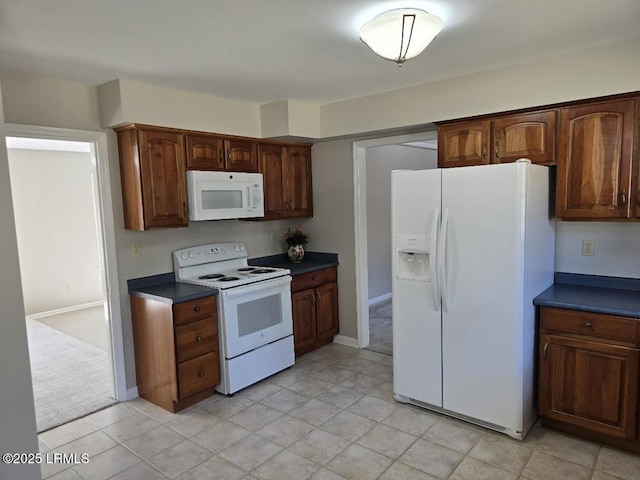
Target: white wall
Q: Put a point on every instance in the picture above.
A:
(17, 412)
(379, 163)
(56, 228)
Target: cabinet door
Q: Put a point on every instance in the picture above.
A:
(462, 144)
(205, 152)
(162, 165)
(327, 310)
(530, 135)
(297, 182)
(271, 163)
(589, 384)
(594, 160)
(303, 305)
(241, 156)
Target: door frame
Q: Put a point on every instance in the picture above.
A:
(104, 202)
(360, 221)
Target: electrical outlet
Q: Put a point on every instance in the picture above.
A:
(273, 236)
(136, 250)
(588, 248)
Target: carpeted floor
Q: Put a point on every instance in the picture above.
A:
(380, 329)
(71, 378)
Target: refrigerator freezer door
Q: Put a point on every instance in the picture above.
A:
(417, 372)
(482, 336)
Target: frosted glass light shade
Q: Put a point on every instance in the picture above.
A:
(400, 34)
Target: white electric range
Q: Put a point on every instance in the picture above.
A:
(254, 311)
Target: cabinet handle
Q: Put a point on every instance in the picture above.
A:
(319, 296)
(221, 157)
(546, 346)
(623, 196)
(185, 208)
(199, 338)
(587, 324)
(497, 148)
(484, 149)
(201, 374)
(196, 308)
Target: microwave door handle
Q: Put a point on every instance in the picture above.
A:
(249, 198)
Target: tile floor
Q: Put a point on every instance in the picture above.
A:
(331, 416)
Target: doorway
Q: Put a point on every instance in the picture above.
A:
(373, 162)
(64, 225)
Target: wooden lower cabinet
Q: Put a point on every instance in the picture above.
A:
(589, 369)
(314, 298)
(176, 349)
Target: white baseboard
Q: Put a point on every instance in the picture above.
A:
(131, 394)
(58, 311)
(348, 341)
(380, 299)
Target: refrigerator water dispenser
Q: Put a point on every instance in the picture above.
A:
(413, 254)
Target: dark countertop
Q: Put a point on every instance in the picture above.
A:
(164, 288)
(593, 293)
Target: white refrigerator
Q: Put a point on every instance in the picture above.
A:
(472, 247)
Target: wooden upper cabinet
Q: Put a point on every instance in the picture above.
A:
(463, 144)
(152, 165)
(271, 163)
(205, 152)
(297, 182)
(528, 135)
(241, 156)
(595, 159)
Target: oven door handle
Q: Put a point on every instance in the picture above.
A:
(257, 286)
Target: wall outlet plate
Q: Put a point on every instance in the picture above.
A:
(136, 250)
(588, 248)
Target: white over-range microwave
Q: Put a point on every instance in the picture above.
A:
(222, 195)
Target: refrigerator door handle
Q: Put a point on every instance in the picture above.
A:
(442, 270)
(432, 260)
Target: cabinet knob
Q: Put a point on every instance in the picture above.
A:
(497, 148)
(484, 149)
(623, 196)
(201, 374)
(199, 338)
(587, 324)
(196, 308)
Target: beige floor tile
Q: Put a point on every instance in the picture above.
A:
(255, 417)
(411, 419)
(361, 383)
(225, 407)
(110, 415)
(107, 464)
(314, 412)
(222, 435)
(131, 427)
(353, 363)
(258, 391)
(154, 411)
(326, 474)
(284, 400)
(286, 465)
(619, 463)
(452, 435)
(339, 397)
(285, 430)
(383, 372)
(472, 469)
(67, 474)
(215, 468)
(369, 355)
(386, 360)
(250, 452)
(320, 446)
(357, 463)
(597, 475)
(333, 374)
(501, 452)
(141, 471)
(189, 423)
(548, 467)
(372, 408)
(178, 459)
(311, 387)
(387, 441)
(154, 441)
(431, 458)
(384, 391)
(67, 433)
(569, 448)
(400, 471)
(348, 425)
(287, 378)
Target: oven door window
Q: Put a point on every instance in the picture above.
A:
(260, 314)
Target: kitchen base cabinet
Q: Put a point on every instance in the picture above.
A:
(589, 373)
(314, 300)
(176, 349)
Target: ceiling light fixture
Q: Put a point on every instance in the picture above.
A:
(400, 34)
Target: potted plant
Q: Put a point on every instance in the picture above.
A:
(296, 240)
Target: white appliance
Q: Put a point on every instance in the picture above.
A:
(255, 324)
(472, 247)
(222, 195)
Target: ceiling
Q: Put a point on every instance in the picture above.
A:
(261, 51)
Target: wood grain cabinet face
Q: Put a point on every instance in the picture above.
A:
(241, 156)
(529, 135)
(464, 144)
(205, 152)
(315, 309)
(595, 160)
(589, 368)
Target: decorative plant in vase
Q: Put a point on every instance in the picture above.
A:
(296, 240)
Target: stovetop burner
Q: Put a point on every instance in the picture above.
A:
(263, 270)
(211, 276)
(246, 269)
(228, 279)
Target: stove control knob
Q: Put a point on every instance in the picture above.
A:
(215, 251)
(183, 256)
(237, 248)
(242, 248)
(191, 254)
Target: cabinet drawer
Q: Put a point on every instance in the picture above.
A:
(313, 279)
(196, 338)
(194, 310)
(198, 374)
(592, 324)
